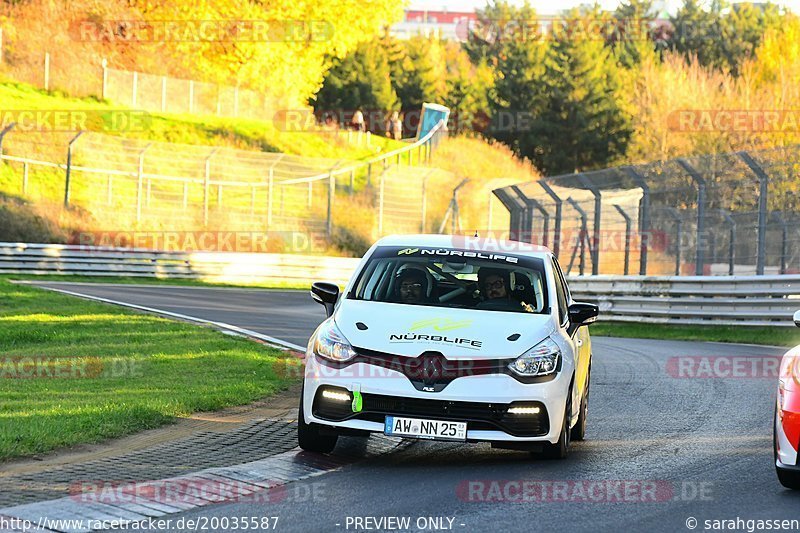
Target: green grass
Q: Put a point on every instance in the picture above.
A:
(125, 371)
(198, 129)
(773, 336)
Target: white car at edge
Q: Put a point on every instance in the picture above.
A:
(450, 338)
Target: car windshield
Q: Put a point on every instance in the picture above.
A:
(453, 278)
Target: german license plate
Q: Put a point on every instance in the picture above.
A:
(419, 428)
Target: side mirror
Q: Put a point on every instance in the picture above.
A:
(326, 294)
(583, 314)
(797, 318)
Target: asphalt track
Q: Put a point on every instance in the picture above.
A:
(660, 450)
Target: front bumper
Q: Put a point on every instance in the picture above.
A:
(481, 401)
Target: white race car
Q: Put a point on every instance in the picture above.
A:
(450, 338)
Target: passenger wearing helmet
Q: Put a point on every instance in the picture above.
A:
(411, 286)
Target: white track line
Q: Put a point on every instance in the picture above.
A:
(221, 325)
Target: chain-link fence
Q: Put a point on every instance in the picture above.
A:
(163, 94)
(132, 184)
(717, 214)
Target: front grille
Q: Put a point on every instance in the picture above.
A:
(478, 415)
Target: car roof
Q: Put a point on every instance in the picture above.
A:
(489, 244)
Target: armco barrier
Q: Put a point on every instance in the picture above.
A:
(721, 300)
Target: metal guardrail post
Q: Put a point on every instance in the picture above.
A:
(25, 178)
(644, 218)
(4, 133)
(701, 214)
(69, 168)
(777, 215)
(676, 216)
(763, 185)
(628, 222)
(731, 239)
(557, 229)
(583, 236)
(598, 205)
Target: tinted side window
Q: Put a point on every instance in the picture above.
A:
(561, 294)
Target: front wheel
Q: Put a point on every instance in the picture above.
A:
(560, 449)
(579, 431)
(309, 437)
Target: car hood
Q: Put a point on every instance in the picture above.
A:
(457, 333)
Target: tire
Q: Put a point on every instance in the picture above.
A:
(579, 431)
(560, 449)
(788, 478)
(309, 437)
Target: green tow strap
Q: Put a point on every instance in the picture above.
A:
(357, 402)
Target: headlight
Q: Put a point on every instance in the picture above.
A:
(540, 360)
(331, 344)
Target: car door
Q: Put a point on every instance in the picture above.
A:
(579, 336)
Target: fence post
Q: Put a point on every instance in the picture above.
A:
(25, 178)
(598, 205)
(47, 71)
(380, 204)
(369, 173)
(139, 181)
(731, 239)
(763, 184)
(191, 96)
(109, 190)
(582, 236)
(701, 214)
(627, 237)
(104, 88)
(163, 94)
(676, 216)
(557, 229)
(424, 201)
(514, 210)
(331, 192)
(3, 135)
(269, 198)
(69, 168)
(206, 184)
(644, 218)
(352, 180)
(777, 215)
(134, 88)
